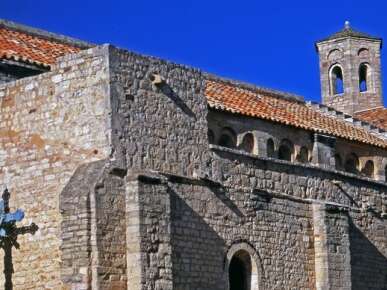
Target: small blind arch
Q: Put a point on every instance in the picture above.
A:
(270, 148)
(352, 163)
(248, 143)
(227, 138)
(369, 169)
(338, 162)
(286, 149)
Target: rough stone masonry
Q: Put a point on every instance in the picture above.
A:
(130, 191)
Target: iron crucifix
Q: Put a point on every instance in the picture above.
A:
(9, 233)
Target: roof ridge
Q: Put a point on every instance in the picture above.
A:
(40, 33)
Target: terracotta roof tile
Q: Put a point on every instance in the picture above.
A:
(20, 46)
(376, 117)
(231, 98)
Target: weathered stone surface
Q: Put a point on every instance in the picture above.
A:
(128, 193)
(47, 130)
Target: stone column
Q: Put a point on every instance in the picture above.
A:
(331, 244)
(133, 236)
(324, 151)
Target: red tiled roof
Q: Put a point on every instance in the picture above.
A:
(20, 46)
(231, 98)
(376, 117)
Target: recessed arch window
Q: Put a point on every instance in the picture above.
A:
(336, 80)
(338, 162)
(286, 149)
(369, 169)
(352, 163)
(270, 148)
(227, 138)
(364, 77)
(335, 54)
(303, 155)
(363, 52)
(247, 143)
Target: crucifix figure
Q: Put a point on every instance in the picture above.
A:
(9, 233)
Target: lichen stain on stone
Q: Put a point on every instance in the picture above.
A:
(11, 134)
(37, 141)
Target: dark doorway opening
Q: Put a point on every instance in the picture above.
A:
(240, 271)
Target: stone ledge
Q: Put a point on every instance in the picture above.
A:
(296, 164)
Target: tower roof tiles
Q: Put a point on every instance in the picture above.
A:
(349, 32)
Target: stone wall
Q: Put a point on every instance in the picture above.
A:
(270, 206)
(204, 221)
(365, 199)
(368, 241)
(182, 221)
(160, 127)
(49, 125)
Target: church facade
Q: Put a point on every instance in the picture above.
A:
(146, 174)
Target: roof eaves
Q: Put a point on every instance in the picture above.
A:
(45, 34)
(349, 33)
(301, 126)
(255, 88)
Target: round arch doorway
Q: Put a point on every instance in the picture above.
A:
(242, 270)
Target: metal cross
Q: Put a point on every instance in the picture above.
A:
(9, 233)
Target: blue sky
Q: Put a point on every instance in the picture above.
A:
(268, 43)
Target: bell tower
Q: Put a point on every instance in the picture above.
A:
(350, 70)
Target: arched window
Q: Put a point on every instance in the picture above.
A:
(303, 155)
(336, 80)
(227, 138)
(211, 136)
(352, 163)
(247, 143)
(338, 162)
(364, 74)
(368, 169)
(270, 148)
(285, 151)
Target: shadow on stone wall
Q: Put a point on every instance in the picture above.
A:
(171, 94)
(198, 252)
(220, 194)
(297, 180)
(368, 265)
